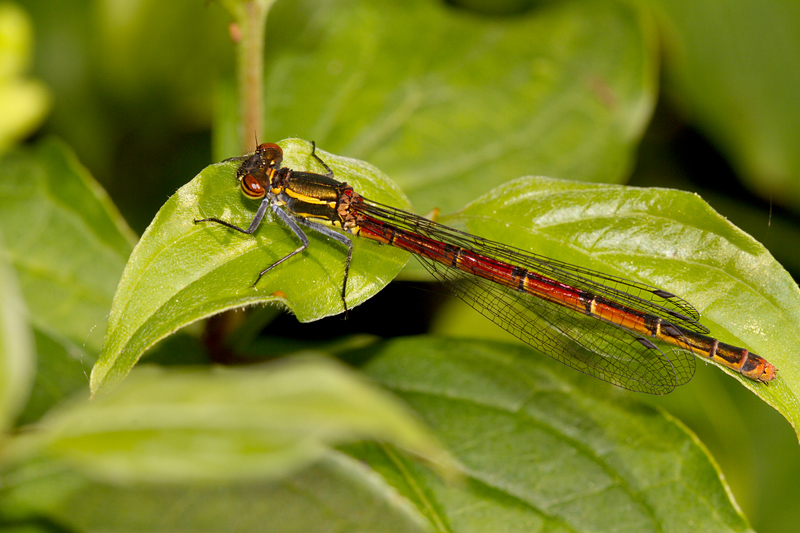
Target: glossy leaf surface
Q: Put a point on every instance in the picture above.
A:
(669, 239)
(540, 448)
(543, 449)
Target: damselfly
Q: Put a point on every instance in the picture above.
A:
(627, 333)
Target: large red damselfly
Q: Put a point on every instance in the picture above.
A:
(627, 333)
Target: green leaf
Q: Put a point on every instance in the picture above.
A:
(543, 448)
(734, 68)
(670, 239)
(68, 246)
(173, 425)
(181, 272)
(17, 357)
(451, 103)
(335, 494)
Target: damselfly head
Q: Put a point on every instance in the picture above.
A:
(255, 173)
(268, 156)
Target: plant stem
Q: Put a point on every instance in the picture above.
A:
(251, 17)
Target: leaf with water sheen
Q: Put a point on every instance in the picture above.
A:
(181, 272)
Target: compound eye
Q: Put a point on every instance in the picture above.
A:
(270, 153)
(251, 187)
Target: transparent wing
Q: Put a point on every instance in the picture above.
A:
(587, 344)
(584, 342)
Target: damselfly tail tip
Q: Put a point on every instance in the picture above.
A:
(768, 374)
(757, 368)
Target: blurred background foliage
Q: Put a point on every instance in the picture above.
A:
(136, 87)
(24, 102)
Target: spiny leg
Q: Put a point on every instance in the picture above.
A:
(293, 224)
(329, 232)
(289, 221)
(335, 235)
(314, 154)
(253, 225)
